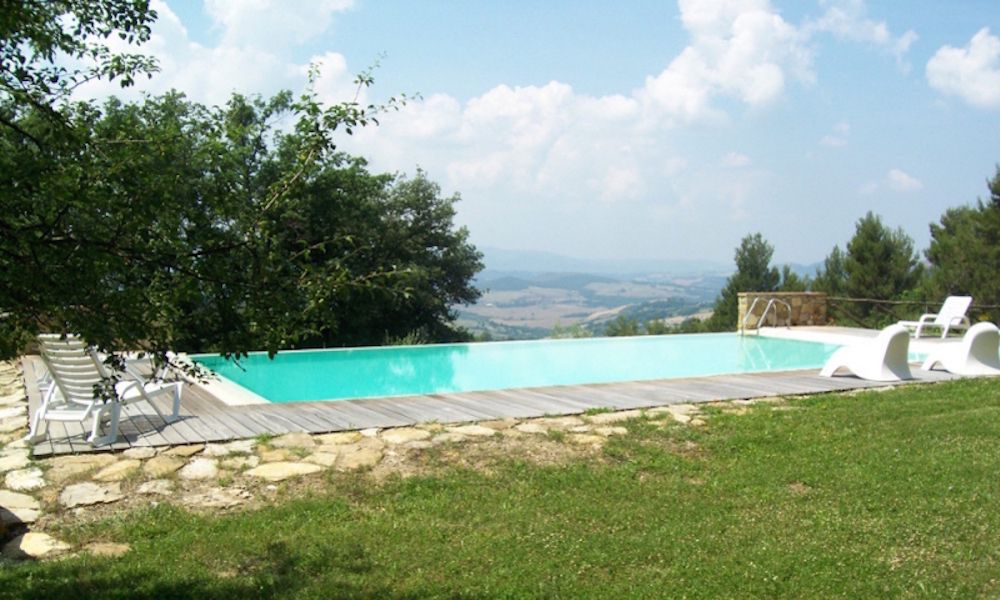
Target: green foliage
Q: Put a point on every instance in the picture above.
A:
(622, 326)
(657, 327)
(869, 495)
(792, 282)
(881, 263)
(832, 277)
(965, 250)
(37, 38)
(692, 325)
(576, 330)
(166, 224)
(753, 274)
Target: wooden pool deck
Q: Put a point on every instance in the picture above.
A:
(205, 418)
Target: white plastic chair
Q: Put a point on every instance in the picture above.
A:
(75, 369)
(951, 316)
(978, 354)
(883, 359)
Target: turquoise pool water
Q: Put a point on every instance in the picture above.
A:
(404, 370)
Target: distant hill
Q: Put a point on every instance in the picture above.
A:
(507, 281)
(532, 261)
(807, 270)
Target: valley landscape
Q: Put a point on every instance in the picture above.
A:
(527, 294)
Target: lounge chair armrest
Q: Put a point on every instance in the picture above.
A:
(123, 386)
(927, 317)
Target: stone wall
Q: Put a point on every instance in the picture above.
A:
(808, 308)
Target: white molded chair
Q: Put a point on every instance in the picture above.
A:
(977, 354)
(881, 359)
(951, 316)
(74, 369)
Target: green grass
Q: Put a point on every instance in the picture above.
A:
(892, 494)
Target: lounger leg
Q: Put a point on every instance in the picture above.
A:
(39, 418)
(36, 420)
(115, 409)
(177, 402)
(35, 434)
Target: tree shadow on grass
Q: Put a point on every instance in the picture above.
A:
(279, 572)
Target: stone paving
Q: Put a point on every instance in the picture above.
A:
(37, 494)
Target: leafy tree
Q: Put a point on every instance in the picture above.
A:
(167, 224)
(622, 326)
(657, 327)
(881, 263)
(576, 330)
(965, 250)
(753, 274)
(383, 224)
(38, 39)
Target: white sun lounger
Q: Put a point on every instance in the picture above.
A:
(977, 354)
(951, 316)
(881, 359)
(75, 369)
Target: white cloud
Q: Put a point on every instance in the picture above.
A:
(896, 180)
(847, 19)
(972, 73)
(742, 49)
(901, 181)
(736, 159)
(837, 138)
(548, 150)
(250, 58)
(279, 22)
(619, 183)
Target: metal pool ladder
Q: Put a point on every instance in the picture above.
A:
(771, 303)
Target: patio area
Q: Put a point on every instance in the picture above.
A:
(207, 418)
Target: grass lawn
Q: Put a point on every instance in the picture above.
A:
(879, 494)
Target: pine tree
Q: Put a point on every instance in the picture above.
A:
(832, 277)
(881, 263)
(965, 250)
(753, 274)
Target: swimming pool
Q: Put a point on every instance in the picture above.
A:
(343, 373)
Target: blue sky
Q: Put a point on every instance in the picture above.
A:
(640, 129)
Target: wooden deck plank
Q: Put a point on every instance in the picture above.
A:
(439, 409)
(493, 406)
(624, 396)
(371, 417)
(412, 408)
(479, 406)
(267, 421)
(576, 399)
(534, 403)
(227, 421)
(678, 392)
(308, 418)
(205, 418)
(324, 420)
(297, 419)
(141, 426)
(243, 426)
(529, 403)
